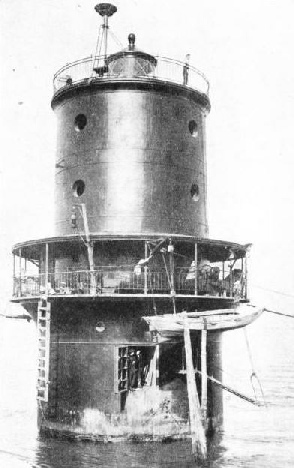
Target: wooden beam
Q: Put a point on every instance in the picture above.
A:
(204, 374)
(231, 281)
(156, 383)
(153, 374)
(196, 269)
(145, 269)
(246, 276)
(46, 268)
(197, 430)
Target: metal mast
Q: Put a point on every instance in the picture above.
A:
(105, 10)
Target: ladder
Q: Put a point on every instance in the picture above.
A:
(43, 330)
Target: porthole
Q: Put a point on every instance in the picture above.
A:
(100, 327)
(80, 122)
(194, 192)
(78, 188)
(193, 128)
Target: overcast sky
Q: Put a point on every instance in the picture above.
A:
(245, 48)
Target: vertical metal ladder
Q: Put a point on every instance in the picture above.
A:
(43, 330)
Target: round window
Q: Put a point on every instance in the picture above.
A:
(80, 122)
(194, 192)
(100, 327)
(78, 188)
(193, 128)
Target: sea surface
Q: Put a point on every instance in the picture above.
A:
(251, 436)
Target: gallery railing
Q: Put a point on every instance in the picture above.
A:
(127, 280)
(169, 70)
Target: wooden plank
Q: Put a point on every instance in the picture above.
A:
(152, 374)
(196, 269)
(204, 373)
(46, 268)
(197, 430)
(145, 269)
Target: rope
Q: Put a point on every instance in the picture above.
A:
(115, 38)
(279, 313)
(231, 390)
(254, 376)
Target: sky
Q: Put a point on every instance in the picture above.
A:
(245, 48)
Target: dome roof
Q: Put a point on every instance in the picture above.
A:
(131, 61)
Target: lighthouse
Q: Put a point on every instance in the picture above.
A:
(131, 265)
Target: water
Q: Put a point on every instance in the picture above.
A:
(251, 436)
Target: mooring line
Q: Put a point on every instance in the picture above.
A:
(278, 313)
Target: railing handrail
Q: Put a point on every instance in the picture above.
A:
(148, 281)
(60, 75)
(129, 268)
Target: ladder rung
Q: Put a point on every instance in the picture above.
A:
(43, 327)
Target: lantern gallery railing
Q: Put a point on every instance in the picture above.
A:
(167, 70)
(124, 280)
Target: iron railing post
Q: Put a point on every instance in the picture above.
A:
(146, 270)
(19, 253)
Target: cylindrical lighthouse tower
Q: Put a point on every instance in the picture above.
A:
(130, 246)
(131, 148)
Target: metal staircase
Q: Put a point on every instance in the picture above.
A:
(43, 327)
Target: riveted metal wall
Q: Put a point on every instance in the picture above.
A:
(137, 158)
